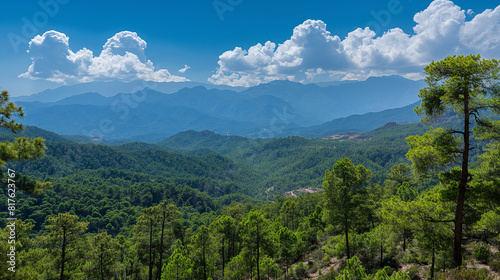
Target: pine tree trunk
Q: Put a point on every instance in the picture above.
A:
(151, 251)
(258, 254)
(346, 229)
(223, 256)
(160, 265)
(433, 261)
(404, 240)
(101, 263)
(204, 263)
(381, 254)
(457, 244)
(63, 254)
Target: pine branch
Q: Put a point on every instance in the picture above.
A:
(456, 131)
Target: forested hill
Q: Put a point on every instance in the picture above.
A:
(109, 186)
(293, 162)
(256, 164)
(217, 187)
(211, 168)
(191, 140)
(286, 163)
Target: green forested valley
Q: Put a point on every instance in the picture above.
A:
(387, 204)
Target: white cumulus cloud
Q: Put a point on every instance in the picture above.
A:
(184, 69)
(482, 33)
(313, 53)
(122, 57)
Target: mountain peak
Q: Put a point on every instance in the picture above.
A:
(88, 98)
(282, 82)
(195, 89)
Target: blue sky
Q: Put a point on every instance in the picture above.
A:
(234, 42)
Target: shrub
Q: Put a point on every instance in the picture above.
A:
(331, 275)
(413, 272)
(301, 271)
(463, 274)
(495, 265)
(482, 253)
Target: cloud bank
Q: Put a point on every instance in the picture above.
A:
(313, 52)
(122, 57)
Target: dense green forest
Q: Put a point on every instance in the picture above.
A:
(376, 205)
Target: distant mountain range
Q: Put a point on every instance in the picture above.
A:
(321, 104)
(357, 123)
(268, 110)
(112, 88)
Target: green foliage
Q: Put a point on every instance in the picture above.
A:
(463, 274)
(449, 78)
(269, 268)
(490, 222)
(495, 265)
(426, 219)
(353, 270)
(21, 148)
(102, 258)
(204, 254)
(413, 272)
(342, 194)
(20, 230)
(490, 168)
(286, 246)
(407, 192)
(383, 275)
(288, 214)
(226, 232)
(432, 151)
(487, 181)
(400, 173)
(300, 271)
(178, 267)
(65, 243)
(400, 275)
(152, 235)
(378, 246)
(255, 234)
(8, 110)
(374, 248)
(469, 86)
(239, 266)
(482, 253)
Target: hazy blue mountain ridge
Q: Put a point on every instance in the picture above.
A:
(275, 109)
(111, 88)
